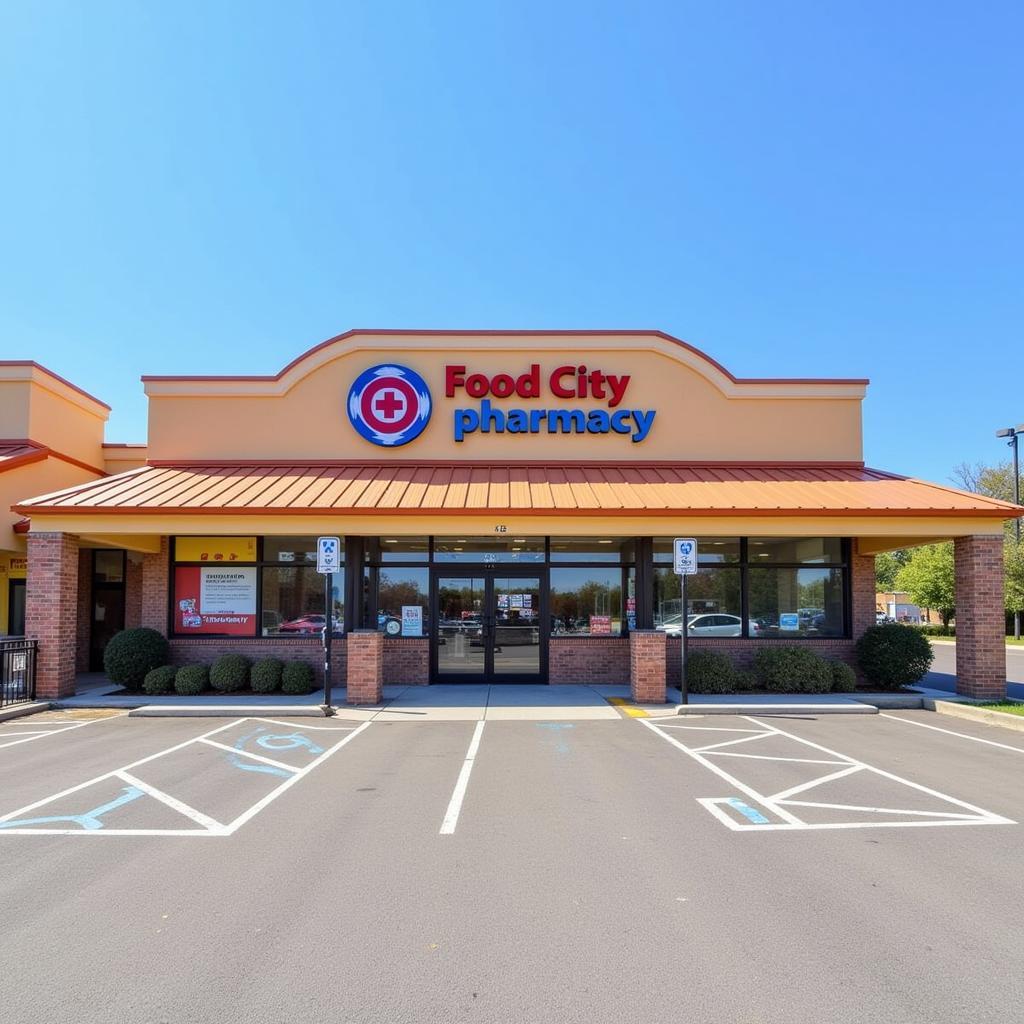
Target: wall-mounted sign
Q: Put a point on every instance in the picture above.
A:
(215, 599)
(215, 549)
(389, 405)
(412, 620)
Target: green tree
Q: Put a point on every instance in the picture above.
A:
(928, 578)
(887, 565)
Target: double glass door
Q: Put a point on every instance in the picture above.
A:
(489, 626)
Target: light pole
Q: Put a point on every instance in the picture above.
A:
(1013, 433)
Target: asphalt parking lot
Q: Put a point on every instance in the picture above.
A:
(715, 869)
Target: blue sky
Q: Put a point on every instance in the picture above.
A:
(797, 188)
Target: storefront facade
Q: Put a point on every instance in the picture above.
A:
(506, 503)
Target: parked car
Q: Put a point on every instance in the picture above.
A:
(310, 624)
(710, 624)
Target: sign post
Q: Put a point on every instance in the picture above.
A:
(328, 562)
(684, 562)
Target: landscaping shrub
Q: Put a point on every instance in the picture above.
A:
(132, 653)
(159, 680)
(893, 655)
(844, 679)
(297, 677)
(230, 672)
(709, 672)
(936, 629)
(744, 680)
(265, 676)
(792, 670)
(191, 679)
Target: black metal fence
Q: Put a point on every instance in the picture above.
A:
(17, 671)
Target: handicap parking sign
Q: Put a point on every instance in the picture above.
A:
(684, 556)
(328, 554)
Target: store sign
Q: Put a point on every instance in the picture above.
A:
(789, 621)
(600, 625)
(215, 599)
(564, 383)
(390, 405)
(412, 620)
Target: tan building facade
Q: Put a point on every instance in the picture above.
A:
(505, 502)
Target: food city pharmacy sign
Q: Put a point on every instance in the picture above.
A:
(390, 405)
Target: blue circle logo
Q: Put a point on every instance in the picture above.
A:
(389, 405)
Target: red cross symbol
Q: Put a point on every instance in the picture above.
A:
(389, 404)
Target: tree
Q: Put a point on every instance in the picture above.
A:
(887, 565)
(928, 577)
(1013, 560)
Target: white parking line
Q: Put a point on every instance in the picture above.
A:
(778, 804)
(451, 817)
(90, 821)
(38, 734)
(950, 732)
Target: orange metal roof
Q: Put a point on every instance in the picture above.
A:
(17, 453)
(537, 488)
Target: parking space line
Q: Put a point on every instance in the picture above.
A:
(254, 757)
(731, 743)
(40, 733)
(175, 804)
(779, 803)
(451, 817)
(950, 732)
(320, 728)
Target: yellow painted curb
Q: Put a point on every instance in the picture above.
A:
(627, 707)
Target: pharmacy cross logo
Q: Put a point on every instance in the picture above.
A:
(389, 405)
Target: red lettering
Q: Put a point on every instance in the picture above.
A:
(454, 377)
(477, 385)
(502, 385)
(555, 382)
(528, 384)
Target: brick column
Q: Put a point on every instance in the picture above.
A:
(51, 611)
(980, 618)
(84, 609)
(133, 590)
(155, 589)
(365, 668)
(647, 666)
(862, 587)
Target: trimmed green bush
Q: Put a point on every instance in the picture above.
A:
(159, 680)
(709, 672)
(893, 655)
(230, 672)
(297, 678)
(844, 679)
(265, 676)
(936, 629)
(130, 654)
(792, 670)
(744, 680)
(191, 679)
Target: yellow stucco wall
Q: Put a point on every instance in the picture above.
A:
(13, 566)
(701, 414)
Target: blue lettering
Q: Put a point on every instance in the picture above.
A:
(620, 421)
(597, 421)
(564, 421)
(466, 422)
(491, 417)
(517, 422)
(644, 420)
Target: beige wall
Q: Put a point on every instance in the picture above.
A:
(701, 413)
(29, 481)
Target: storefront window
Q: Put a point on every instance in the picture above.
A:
(108, 566)
(586, 602)
(403, 601)
(397, 549)
(714, 603)
(293, 601)
(797, 602)
(499, 548)
(801, 550)
(290, 550)
(593, 549)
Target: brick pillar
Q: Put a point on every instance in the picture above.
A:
(980, 617)
(155, 589)
(51, 611)
(84, 610)
(862, 587)
(647, 666)
(365, 667)
(133, 590)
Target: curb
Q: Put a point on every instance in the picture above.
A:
(20, 710)
(227, 711)
(944, 707)
(777, 709)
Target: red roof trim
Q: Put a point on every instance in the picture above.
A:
(22, 526)
(390, 332)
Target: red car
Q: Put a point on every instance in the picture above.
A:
(308, 624)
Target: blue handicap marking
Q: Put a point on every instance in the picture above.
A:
(747, 811)
(270, 741)
(90, 820)
(561, 747)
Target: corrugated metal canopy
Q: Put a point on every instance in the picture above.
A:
(539, 488)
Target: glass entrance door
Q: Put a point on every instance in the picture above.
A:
(16, 608)
(489, 627)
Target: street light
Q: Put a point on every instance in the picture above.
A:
(1013, 433)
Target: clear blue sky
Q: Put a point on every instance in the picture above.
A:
(798, 188)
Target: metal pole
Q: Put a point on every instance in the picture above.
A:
(328, 631)
(1016, 524)
(682, 647)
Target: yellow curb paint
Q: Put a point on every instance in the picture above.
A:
(627, 708)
